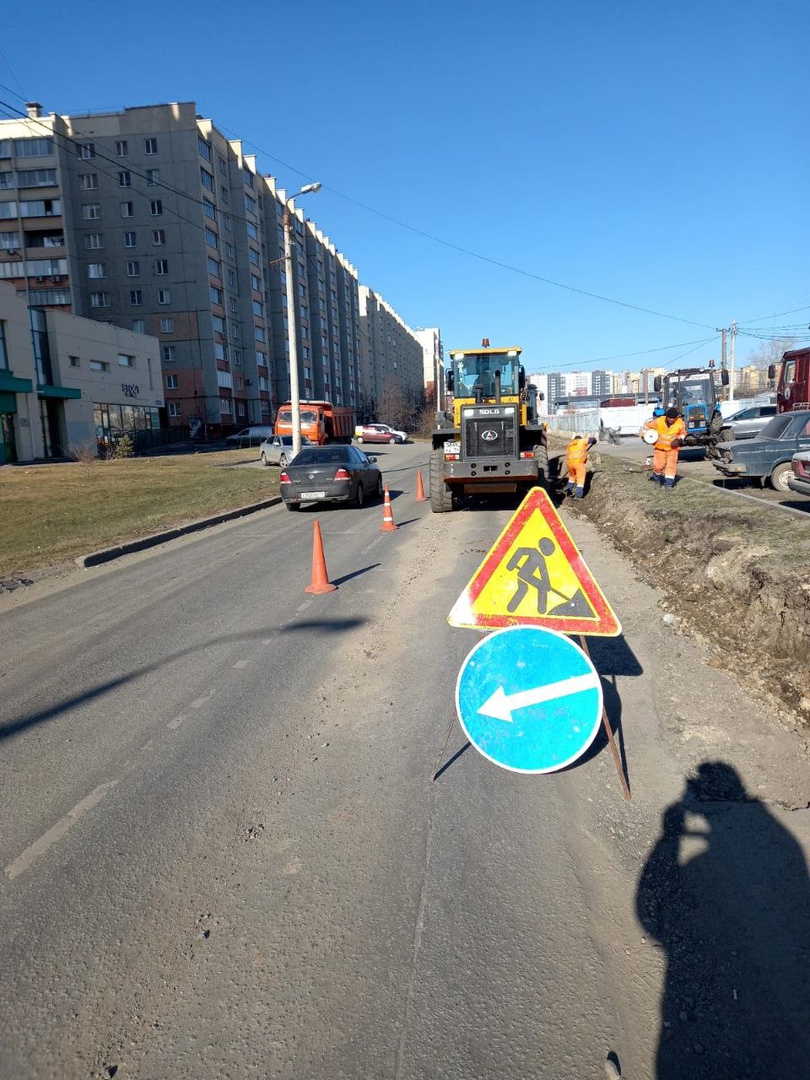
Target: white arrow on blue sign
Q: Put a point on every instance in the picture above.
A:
(529, 699)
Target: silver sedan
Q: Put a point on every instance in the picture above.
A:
(277, 450)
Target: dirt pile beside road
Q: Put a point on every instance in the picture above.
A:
(734, 572)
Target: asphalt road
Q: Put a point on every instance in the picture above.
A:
(225, 853)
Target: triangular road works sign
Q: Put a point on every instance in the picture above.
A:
(534, 575)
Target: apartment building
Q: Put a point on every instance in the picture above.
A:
(151, 219)
(430, 339)
(391, 358)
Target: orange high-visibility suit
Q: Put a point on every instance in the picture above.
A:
(665, 455)
(577, 461)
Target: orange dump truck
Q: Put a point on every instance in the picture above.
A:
(321, 421)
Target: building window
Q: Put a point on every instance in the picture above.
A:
(96, 270)
(169, 355)
(264, 383)
(232, 278)
(218, 323)
(158, 237)
(225, 406)
(167, 326)
(86, 150)
(255, 283)
(152, 177)
(161, 266)
(209, 209)
(136, 297)
(91, 211)
(133, 268)
(259, 334)
(150, 146)
(99, 365)
(139, 326)
(75, 361)
(174, 409)
(164, 296)
(127, 209)
(156, 207)
(130, 239)
(232, 304)
(211, 239)
(258, 308)
(216, 295)
(204, 148)
(240, 408)
(88, 182)
(206, 179)
(252, 231)
(227, 222)
(220, 351)
(99, 299)
(126, 361)
(230, 251)
(121, 148)
(253, 256)
(38, 148)
(225, 379)
(214, 268)
(172, 382)
(250, 204)
(125, 178)
(3, 349)
(94, 241)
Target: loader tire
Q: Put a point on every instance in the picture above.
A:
(441, 497)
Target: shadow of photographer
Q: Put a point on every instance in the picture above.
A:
(725, 892)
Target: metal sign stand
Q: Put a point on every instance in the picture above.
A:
(609, 732)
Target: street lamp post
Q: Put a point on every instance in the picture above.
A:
(295, 393)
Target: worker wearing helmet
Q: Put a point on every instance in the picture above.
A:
(670, 433)
(577, 464)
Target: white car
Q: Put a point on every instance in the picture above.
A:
(381, 433)
(277, 450)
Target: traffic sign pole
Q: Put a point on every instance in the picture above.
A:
(617, 761)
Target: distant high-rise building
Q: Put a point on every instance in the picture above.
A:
(151, 219)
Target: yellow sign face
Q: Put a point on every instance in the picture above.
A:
(534, 575)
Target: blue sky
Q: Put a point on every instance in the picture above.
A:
(487, 165)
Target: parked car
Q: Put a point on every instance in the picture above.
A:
(766, 457)
(747, 423)
(799, 480)
(249, 436)
(277, 450)
(331, 473)
(379, 433)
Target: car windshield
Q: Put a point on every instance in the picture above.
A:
(319, 455)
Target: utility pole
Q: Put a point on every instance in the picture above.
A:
(731, 372)
(722, 330)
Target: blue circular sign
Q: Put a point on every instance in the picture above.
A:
(529, 699)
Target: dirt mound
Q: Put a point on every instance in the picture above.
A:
(736, 573)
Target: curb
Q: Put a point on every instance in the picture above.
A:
(95, 558)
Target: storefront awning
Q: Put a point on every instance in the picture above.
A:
(10, 384)
(57, 392)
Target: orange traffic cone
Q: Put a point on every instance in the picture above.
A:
(320, 579)
(420, 491)
(388, 517)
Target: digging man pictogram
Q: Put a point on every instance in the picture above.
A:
(532, 571)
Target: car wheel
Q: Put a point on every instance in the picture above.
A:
(359, 438)
(263, 459)
(360, 497)
(393, 440)
(779, 476)
(282, 460)
(293, 506)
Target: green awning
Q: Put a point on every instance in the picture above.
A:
(57, 392)
(11, 384)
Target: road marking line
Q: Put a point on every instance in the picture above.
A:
(56, 832)
(178, 720)
(200, 701)
(241, 664)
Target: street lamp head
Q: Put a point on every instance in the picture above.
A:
(310, 187)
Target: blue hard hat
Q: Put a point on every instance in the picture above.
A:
(658, 412)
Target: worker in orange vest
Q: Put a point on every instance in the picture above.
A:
(671, 432)
(577, 462)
